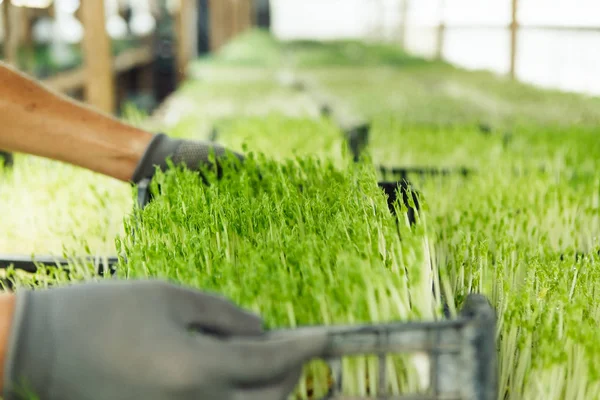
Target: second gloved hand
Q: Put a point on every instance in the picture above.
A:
(190, 153)
(124, 340)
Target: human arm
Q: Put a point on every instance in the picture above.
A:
(43, 123)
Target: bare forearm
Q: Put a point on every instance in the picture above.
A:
(7, 305)
(40, 122)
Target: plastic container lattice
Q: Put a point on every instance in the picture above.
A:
(462, 353)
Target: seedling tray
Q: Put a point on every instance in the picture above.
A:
(404, 171)
(461, 352)
(31, 264)
(108, 264)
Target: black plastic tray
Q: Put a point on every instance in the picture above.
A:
(403, 172)
(30, 264)
(104, 265)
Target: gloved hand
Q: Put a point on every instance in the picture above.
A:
(192, 154)
(126, 340)
(188, 152)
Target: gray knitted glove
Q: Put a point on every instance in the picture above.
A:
(190, 153)
(134, 340)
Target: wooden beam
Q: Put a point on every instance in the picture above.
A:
(247, 14)
(26, 43)
(5, 28)
(514, 30)
(67, 81)
(560, 28)
(11, 32)
(214, 9)
(228, 20)
(252, 17)
(179, 22)
(186, 34)
(97, 55)
(242, 16)
(531, 27)
(235, 18)
(77, 78)
(133, 58)
(441, 32)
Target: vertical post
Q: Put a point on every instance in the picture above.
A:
(26, 25)
(234, 18)
(249, 13)
(187, 32)
(229, 19)
(154, 7)
(441, 32)
(244, 16)
(6, 28)
(178, 23)
(514, 30)
(252, 14)
(11, 32)
(224, 22)
(216, 28)
(97, 55)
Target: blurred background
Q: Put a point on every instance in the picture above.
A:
(110, 53)
(505, 87)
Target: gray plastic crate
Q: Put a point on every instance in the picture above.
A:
(462, 352)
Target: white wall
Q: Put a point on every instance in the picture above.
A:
(322, 19)
(555, 59)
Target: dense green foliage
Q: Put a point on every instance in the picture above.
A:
(259, 48)
(313, 242)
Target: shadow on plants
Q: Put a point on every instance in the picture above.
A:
(487, 130)
(214, 134)
(357, 137)
(409, 195)
(6, 158)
